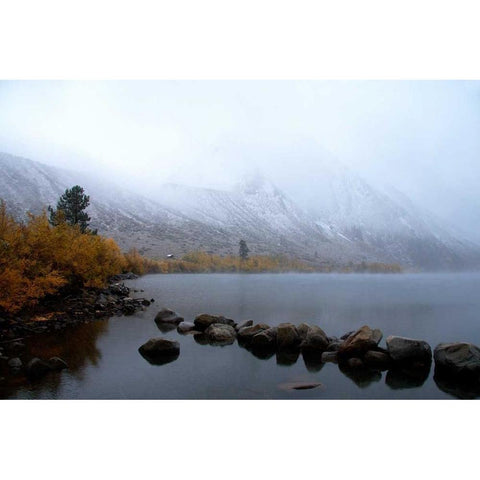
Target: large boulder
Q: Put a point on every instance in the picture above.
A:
(361, 341)
(408, 350)
(160, 350)
(265, 340)
(459, 359)
(168, 316)
(287, 337)
(315, 340)
(303, 330)
(37, 368)
(204, 320)
(220, 334)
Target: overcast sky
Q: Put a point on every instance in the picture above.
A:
(422, 137)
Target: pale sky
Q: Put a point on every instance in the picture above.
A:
(423, 137)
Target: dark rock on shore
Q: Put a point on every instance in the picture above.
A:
(459, 359)
(15, 363)
(408, 350)
(204, 320)
(168, 316)
(361, 341)
(159, 351)
(220, 334)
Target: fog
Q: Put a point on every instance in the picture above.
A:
(422, 137)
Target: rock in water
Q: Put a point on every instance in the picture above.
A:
(362, 340)
(204, 320)
(160, 350)
(168, 316)
(56, 363)
(460, 359)
(185, 327)
(315, 340)
(220, 334)
(287, 337)
(37, 368)
(246, 334)
(403, 349)
(246, 323)
(265, 340)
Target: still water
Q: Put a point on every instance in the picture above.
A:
(104, 362)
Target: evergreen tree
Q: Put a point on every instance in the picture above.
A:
(71, 209)
(243, 251)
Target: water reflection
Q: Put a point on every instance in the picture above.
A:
(363, 377)
(457, 387)
(412, 376)
(313, 362)
(287, 358)
(159, 360)
(77, 345)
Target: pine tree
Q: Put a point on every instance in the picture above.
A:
(71, 209)
(243, 251)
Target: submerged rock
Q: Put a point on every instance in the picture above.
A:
(299, 385)
(159, 351)
(458, 359)
(402, 349)
(362, 340)
(168, 316)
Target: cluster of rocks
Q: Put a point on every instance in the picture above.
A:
(89, 304)
(357, 353)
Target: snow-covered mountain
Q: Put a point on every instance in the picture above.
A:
(343, 219)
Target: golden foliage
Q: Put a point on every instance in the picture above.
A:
(37, 259)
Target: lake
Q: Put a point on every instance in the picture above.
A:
(104, 362)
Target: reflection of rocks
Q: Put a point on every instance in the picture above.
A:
(159, 351)
(362, 340)
(458, 387)
(166, 327)
(411, 376)
(377, 359)
(313, 361)
(458, 359)
(287, 357)
(408, 350)
(201, 339)
(220, 334)
(356, 371)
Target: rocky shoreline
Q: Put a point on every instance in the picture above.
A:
(358, 354)
(58, 313)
